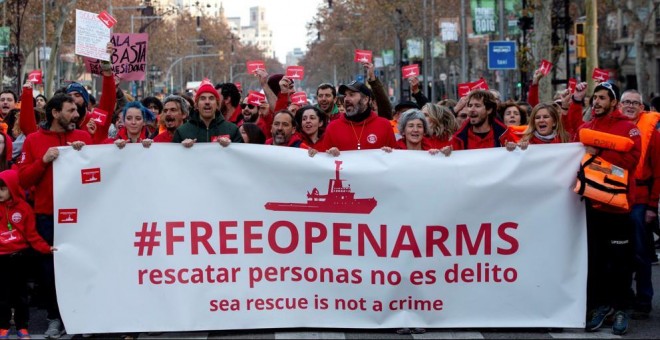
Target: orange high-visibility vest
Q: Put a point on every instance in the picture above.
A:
(646, 125)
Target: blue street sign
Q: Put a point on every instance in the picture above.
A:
(502, 55)
(360, 78)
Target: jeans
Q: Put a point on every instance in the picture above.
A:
(642, 242)
(45, 226)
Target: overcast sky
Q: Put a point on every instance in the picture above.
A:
(286, 18)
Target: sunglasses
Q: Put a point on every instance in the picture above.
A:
(609, 87)
(250, 106)
(325, 85)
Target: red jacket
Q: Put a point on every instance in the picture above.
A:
(648, 186)
(308, 142)
(427, 144)
(8, 147)
(164, 137)
(33, 171)
(107, 103)
(294, 142)
(536, 140)
(371, 133)
(617, 124)
(123, 134)
(439, 143)
(17, 215)
(647, 174)
(466, 139)
(533, 95)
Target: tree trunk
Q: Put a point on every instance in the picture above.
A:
(59, 26)
(640, 62)
(591, 37)
(543, 43)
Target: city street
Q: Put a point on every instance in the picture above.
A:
(646, 329)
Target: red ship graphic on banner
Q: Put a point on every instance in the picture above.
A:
(339, 199)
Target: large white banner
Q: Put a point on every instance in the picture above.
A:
(250, 236)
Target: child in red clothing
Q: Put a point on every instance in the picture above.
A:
(17, 234)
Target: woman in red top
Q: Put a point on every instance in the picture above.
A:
(442, 124)
(134, 117)
(545, 127)
(310, 124)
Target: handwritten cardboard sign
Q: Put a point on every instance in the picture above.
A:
(129, 60)
(92, 36)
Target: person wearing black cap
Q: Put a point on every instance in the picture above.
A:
(359, 128)
(608, 228)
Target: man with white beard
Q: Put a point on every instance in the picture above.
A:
(360, 128)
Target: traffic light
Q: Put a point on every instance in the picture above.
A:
(580, 43)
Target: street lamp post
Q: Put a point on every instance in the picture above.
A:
(192, 56)
(152, 17)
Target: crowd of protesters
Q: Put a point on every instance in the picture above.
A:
(354, 116)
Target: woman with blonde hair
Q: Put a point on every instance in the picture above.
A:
(545, 127)
(442, 124)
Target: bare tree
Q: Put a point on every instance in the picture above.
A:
(639, 14)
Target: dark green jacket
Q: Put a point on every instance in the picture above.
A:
(196, 129)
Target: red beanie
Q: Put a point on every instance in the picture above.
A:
(206, 87)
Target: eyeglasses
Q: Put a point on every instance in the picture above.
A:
(631, 103)
(250, 106)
